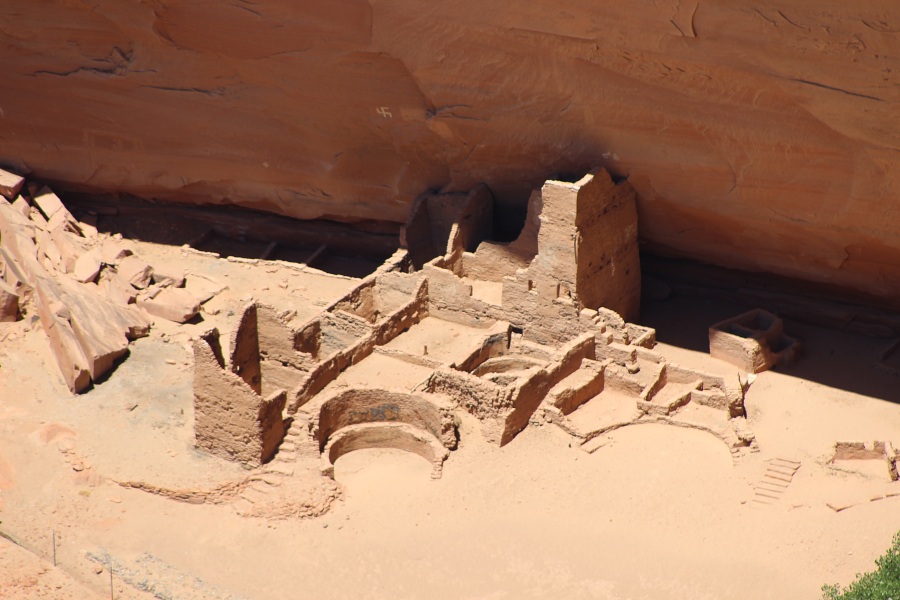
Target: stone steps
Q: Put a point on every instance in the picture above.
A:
(774, 483)
(272, 475)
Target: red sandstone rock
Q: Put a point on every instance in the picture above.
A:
(113, 251)
(173, 304)
(87, 267)
(48, 203)
(68, 250)
(756, 137)
(22, 206)
(87, 334)
(10, 184)
(9, 302)
(168, 275)
(135, 271)
(115, 289)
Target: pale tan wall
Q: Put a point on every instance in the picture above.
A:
(244, 358)
(231, 421)
(606, 246)
(354, 406)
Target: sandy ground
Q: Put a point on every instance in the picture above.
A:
(658, 512)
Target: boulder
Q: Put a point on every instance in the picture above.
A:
(112, 251)
(10, 184)
(168, 276)
(87, 267)
(135, 271)
(173, 304)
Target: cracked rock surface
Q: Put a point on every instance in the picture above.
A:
(759, 137)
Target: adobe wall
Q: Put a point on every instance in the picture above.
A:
(478, 396)
(231, 420)
(361, 301)
(450, 297)
(529, 394)
(279, 342)
(385, 435)
(545, 319)
(389, 327)
(493, 261)
(427, 232)
(244, 345)
(416, 237)
(347, 407)
(606, 245)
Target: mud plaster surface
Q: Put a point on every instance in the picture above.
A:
(656, 512)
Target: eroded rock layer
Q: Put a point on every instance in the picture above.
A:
(758, 135)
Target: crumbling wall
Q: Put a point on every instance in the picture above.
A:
(360, 301)
(277, 341)
(493, 262)
(383, 332)
(450, 297)
(478, 396)
(529, 394)
(608, 270)
(753, 341)
(494, 344)
(587, 245)
(545, 320)
(308, 339)
(578, 250)
(427, 233)
(877, 450)
(245, 360)
(231, 420)
(385, 435)
(346, 407)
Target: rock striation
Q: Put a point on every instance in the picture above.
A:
(758, 137)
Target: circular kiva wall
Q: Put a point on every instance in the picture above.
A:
(387, 435)
(356, 406)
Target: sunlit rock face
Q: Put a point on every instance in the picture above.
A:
(758, 135)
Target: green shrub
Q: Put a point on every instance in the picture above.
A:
(881, 584)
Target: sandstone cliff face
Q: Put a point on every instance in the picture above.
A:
(761, 135)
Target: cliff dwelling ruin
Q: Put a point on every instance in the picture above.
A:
(286, 370)
(386, 300)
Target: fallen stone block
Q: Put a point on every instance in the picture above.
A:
(88, 226)
(10, 184)
(87, 333)
(101, 328)
(12, 274)
(37, 217)
(202, 288)
(21, 205)
(68, 250)
(168, 276)
(48, 202)
(87, 267)
(173, 304)
(115, 289)
(63, 343)
(135, 271)
(114, 251)
(9, 303)
(63, 220)
(48, 248)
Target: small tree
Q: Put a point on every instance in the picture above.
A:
(881, 584)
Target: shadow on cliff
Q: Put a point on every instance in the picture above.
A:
(831, 357)
(335, 248)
